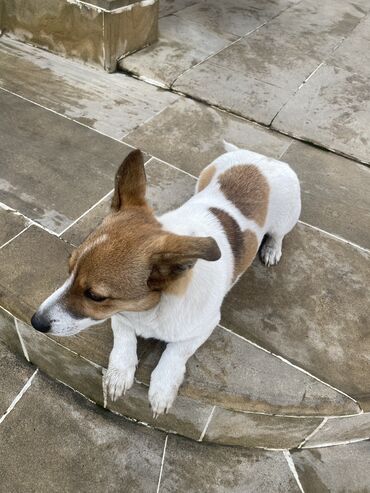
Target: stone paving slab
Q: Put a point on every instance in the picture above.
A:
(335, 192)
(235, 16)
(8, 333)
(196, 468)
(45, 161)
(233, 90)
(319, 319)
(334, 469)
(14, 374)
(11, 224)
(181, 45)
(331, 109)
(68, 444)
(232, 373)
(258, 430)
(168, 7)
(351, 54)
(112, 104)
(338, 430)
(190, 135)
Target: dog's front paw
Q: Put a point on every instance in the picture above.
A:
(116, 381)
(161, 396)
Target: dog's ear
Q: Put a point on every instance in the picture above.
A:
(177, 255)
(130, 182)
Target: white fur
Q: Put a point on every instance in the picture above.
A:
(185, 322)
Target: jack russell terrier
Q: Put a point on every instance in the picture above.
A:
(166, 277)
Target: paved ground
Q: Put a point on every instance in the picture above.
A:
(52, 439)
(299, 66)
(295, 376)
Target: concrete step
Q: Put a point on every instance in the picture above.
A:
(54, 439)
(286, 368)
(98, 32)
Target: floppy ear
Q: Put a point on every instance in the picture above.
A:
(177, 255)
(130, 182)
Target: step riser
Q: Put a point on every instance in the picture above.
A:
(82, 31)
(189, 418)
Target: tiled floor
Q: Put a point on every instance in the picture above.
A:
(296, 336)
(300, 66)
(68, 444)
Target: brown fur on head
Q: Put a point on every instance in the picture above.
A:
(129, 260)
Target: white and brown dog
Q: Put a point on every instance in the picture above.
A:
(166, 277)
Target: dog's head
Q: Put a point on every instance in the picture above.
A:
(125, 264)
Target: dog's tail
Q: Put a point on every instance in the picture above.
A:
(230, 147)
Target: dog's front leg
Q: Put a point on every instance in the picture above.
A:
(122, 361)
(169, 373)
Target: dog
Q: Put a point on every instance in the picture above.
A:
(166, 277)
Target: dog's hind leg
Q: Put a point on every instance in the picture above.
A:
(271, 249)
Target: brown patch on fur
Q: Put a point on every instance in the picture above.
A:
(244, 245)
(206, 176)
(248, 190)
(250, 251)
(180, 286)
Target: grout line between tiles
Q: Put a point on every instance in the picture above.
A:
(207, 424)
(291, 466)
(336, 444)
(336, 237)
(162, 464)
(86, 212)
(313, 433)
(281, 358)
(14, 237)
(23, 345)
(19, 396)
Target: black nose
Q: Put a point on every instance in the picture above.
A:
(40, 323)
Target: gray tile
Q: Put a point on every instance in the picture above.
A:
(168, 188)
(112, 104)
(195, 468)
(14, 373)
(181, 45)
(351, 54)
(312, 308)
(285, 66)
(235, 16)
(190, 135)
(167, 7)
(312, 26)
(231, 373)
(335, 192)
(68, 444)
(334, 469)
(332, 110)
(11, 224)
(52, 169)
(8, 333)
(337, 430)
(234, 91)
(258, 430)
(31, 267)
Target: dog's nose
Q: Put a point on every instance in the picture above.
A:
(40, 323)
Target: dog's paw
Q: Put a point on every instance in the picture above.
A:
(270, 253)
(116, 381)
(161, 397)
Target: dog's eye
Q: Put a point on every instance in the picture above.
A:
(93, 296)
